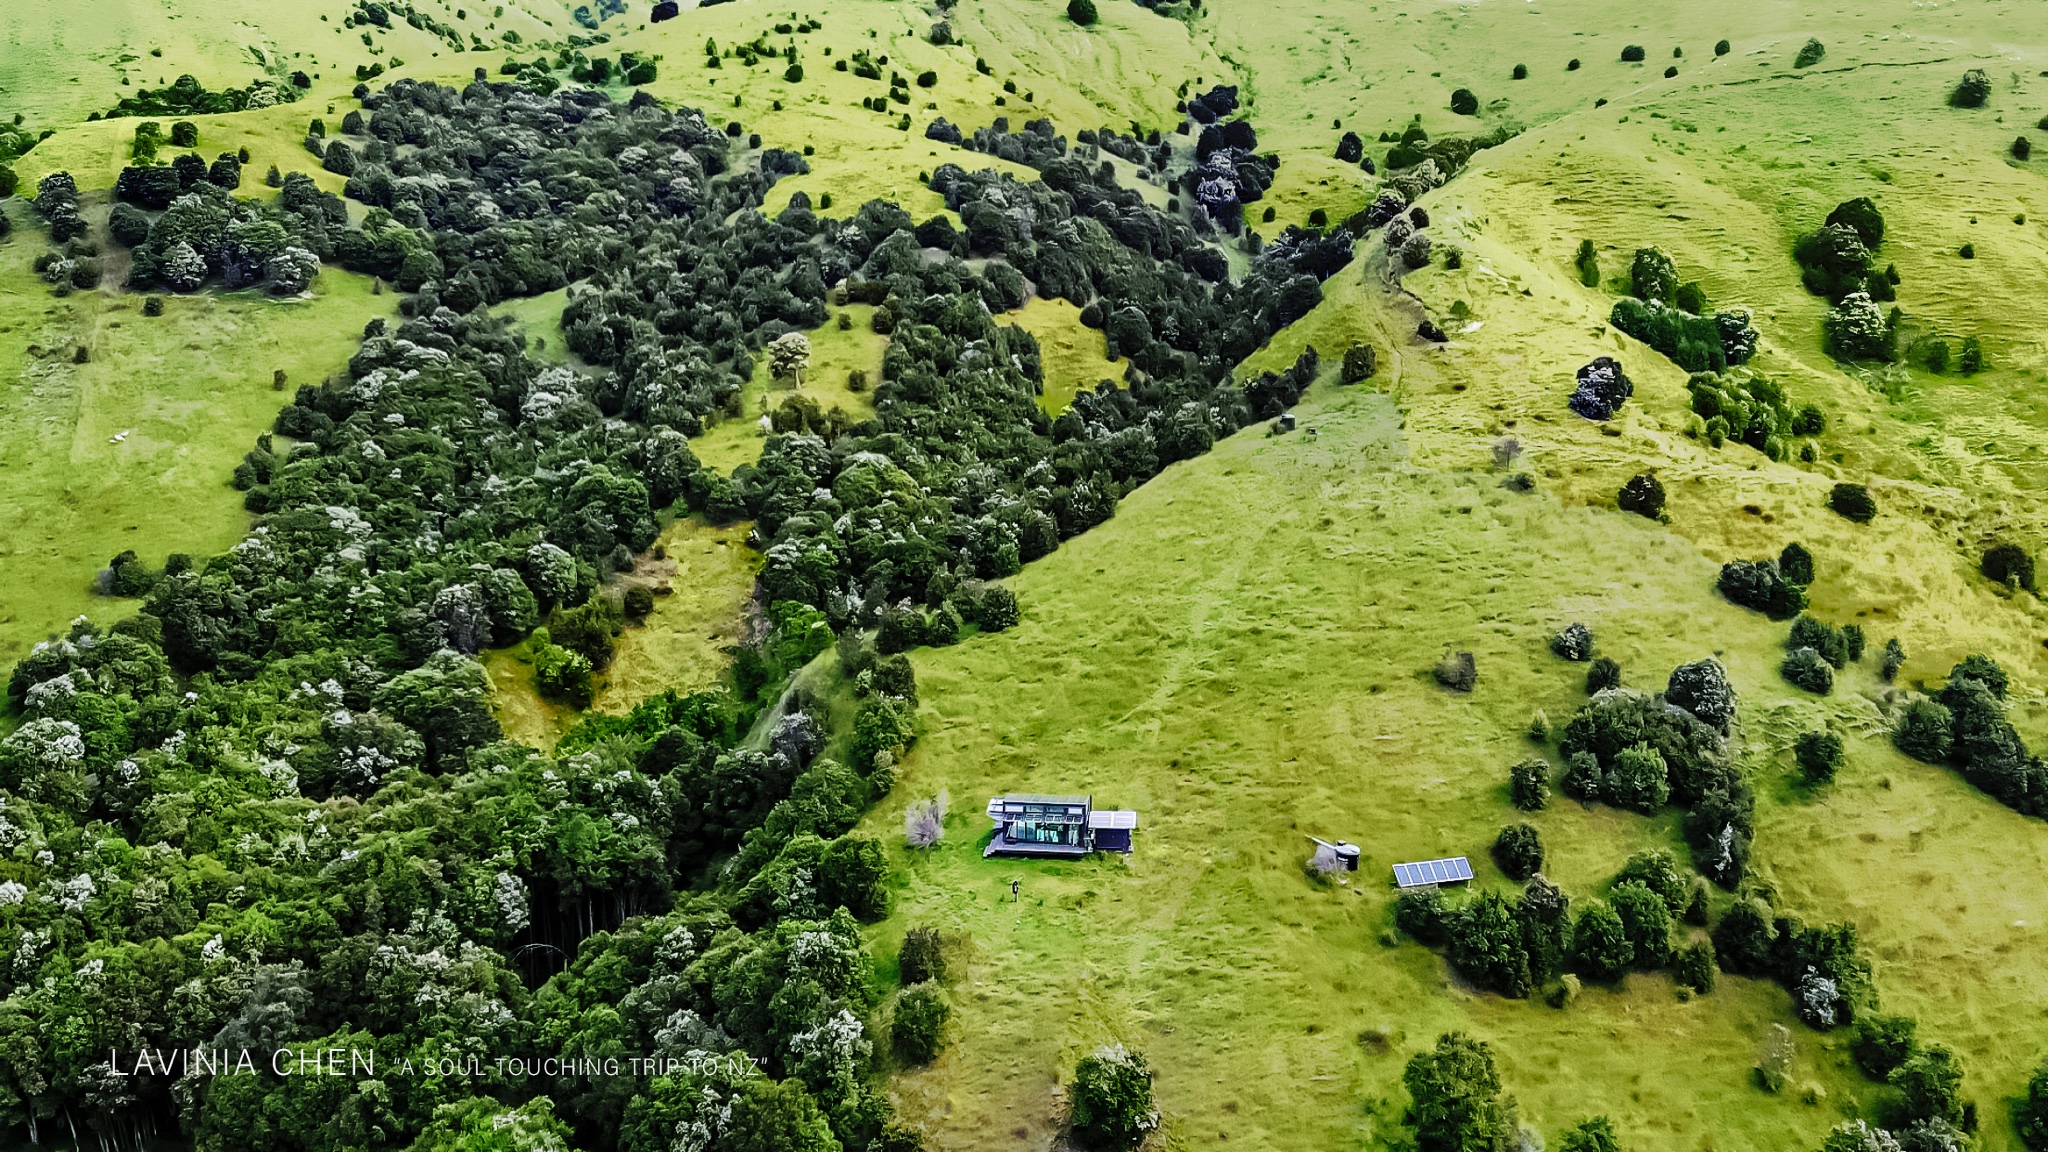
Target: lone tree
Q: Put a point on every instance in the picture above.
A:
(1459, 1105)
(1081, 12)
(1588, 263)
(1643, 495)
(1810, 54)
(2009, 564)
(1464, 102)
(1112, 1098)
(1519, 851)
(1852, 502)
(1819, 754)
(789, 355)
(1974, 90)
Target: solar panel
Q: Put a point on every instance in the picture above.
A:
(1449, 870)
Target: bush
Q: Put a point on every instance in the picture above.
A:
(1529, 785)
(1604, 674)
(2009, 564)
(1925, 731)
(1646, 920)
(1456, 1096)
(1722, 47)
(1602, 388)
(1879, 1044)
(2030, 1115)
(1805, 668)
(1634, 54)
(1702, 689)
(1692, 966)
(1638, 780)
(1486, 944)
(1600, 945)
(1457, 671)
(794, 74)
(1519, 851)
(1810, 54)
(1655, 870)
(1521, 72)
(339, 159)
(1861, 216)
(1894, 657)
(1972, 91)
(1421, 914)
(1081, 12)
(1832, 643)
(1464, 102)
(1819, 754)
(1574, 643)
(1856, 330)
(1360, 362)
(1110, 1105)
(1930, 1083)
(1795, 564)
(1653, 276)
(1852, 502)
(923, 958)
(1642, 495)
(1936, 356)
(917, 1028)
(1971, 360)
(1587, 262)
(1759, 585)
(1594, 1135)
(152, 305)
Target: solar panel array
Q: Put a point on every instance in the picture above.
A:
(1451, 870)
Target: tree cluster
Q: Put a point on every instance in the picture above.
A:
(1772, 587)
(1965, 725)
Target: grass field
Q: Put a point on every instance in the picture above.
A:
(1242, 654)
(185, 393)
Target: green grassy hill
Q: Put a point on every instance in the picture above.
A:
(1243, 652)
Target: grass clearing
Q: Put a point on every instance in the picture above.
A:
(835, 352)
(133, 448)
(700, 609)
(1074, 357)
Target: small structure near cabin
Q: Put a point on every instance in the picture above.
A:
(1029, 824)
(1341, 856)
(1433, 873)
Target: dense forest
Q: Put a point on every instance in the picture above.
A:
(273, 809)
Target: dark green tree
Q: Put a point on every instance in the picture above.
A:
(1819, 754)
(1601, 949)
(1081, 12)
(1519, 851)
(1110, 1105)
(1458, 1104)
(917, 1028)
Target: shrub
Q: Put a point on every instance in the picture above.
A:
(1759, 585)
(1810, 54)
(1634, 54)
(1832, 643)
(1647, 922)
(1572, 65)
(923, 958)
(1930, 1083)
(339, 159)
(1421, 914)
(857, 380)
(2010, 565)
(1925, 731)
(1583, 776)
(1805, 668)
(918, 1026)
(1602, 388)
(1936, 356)
(1894, 656)
(1971, 360)
(1464, 102)
(1587, 262)
(1856, 330)
(1457, 671)
(1795, 564)
(1600, 944)
(1809, 421)
(1862, 217)
(1604, 674)
(1722, 47)
(1690, 297)
(1081, 12)
(1575, 642)
(1653, 276)
(1972, 91)
(152, 305)
(1881, 1043)
(1655, 870)
(1692, 966)
(1670, 71)
(1852, 502)
(1519, 851)
(1487, 946)
(2030, 1114)
(1529, 785)
(1110, 1105)
(1642, 495)
(1594, 1135)
(794, 74)
(1638, 779)
(1360, 362)
(1967, 251)
(1819, 754)
(1521, 72)
(1457, 1102)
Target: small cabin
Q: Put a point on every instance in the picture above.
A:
(1029, 824)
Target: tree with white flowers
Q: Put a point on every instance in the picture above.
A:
(788, 355)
